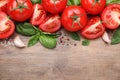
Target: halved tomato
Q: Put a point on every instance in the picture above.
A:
(38, 16)
(93, 29)
(111, 16)
(7, 27)
(3, 5)
(51, 24)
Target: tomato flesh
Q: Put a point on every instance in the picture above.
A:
(51, 24)
(38, 16)
(7, 27)
(111, 16)
(93, 29)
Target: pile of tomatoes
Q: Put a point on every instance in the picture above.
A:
(91, 18)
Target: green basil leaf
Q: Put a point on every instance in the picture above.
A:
(85, 42)
(35, 1)
(75, 36)
(25, 29)
(116, 37)
(73, 2)
(113, 1)
(33, 40)
(48, 41)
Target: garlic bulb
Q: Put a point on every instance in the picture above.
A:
(18, 42)
(106, 38)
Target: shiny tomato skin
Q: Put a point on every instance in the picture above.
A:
(7, 26)
(51, 24)
(39, 15)
(111, 16)
(68, 21)
(94, 28)
(54, 7)
(93, 7)
(17, 14)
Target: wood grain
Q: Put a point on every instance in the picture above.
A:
(97, 61)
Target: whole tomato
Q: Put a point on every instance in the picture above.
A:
(93, 6)
(74, 18)
(20, 10)
(54, 6)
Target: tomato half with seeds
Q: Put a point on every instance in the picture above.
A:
(51, 24)
(111, 16)
(93, 7)
(74, 18)
(3, 5)
(94, 29)
(20, 10)
(54, 6)
(7, 27)
(38, 16)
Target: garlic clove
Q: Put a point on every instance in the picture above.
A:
(106, 38)
(18, 42)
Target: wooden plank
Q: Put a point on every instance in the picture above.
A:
(97, 61)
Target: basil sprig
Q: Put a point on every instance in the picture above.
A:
(48, 40)
(73, 2)
(116, 37)
(75, 36)
(113, 1)
(35, 1)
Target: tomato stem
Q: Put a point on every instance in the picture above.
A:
(75, 18)
(95, 1)
(20, 6)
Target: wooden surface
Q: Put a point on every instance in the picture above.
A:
(97, 61)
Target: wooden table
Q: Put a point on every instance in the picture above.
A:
(97, 61)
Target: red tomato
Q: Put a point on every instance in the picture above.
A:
(93, 6)
(54, 6)
(111, 16)
(93, 29)
(3, 5)
(21, 10)
(7, 27)
(51, 24)
(3, 2)
(74, 18)
(38, 16)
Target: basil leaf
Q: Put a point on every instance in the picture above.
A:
(35, 1)
(73, 2)
(85, 42)
(48, 41)
(25, 29)
(113, 1)
(33, 40)
(75, 36)
(116, 37)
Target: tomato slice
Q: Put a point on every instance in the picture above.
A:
(3, 2)
(6, 26)
(38, 16)
(111, 16)
(3, 5)
(93, 29)
(51, 24)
